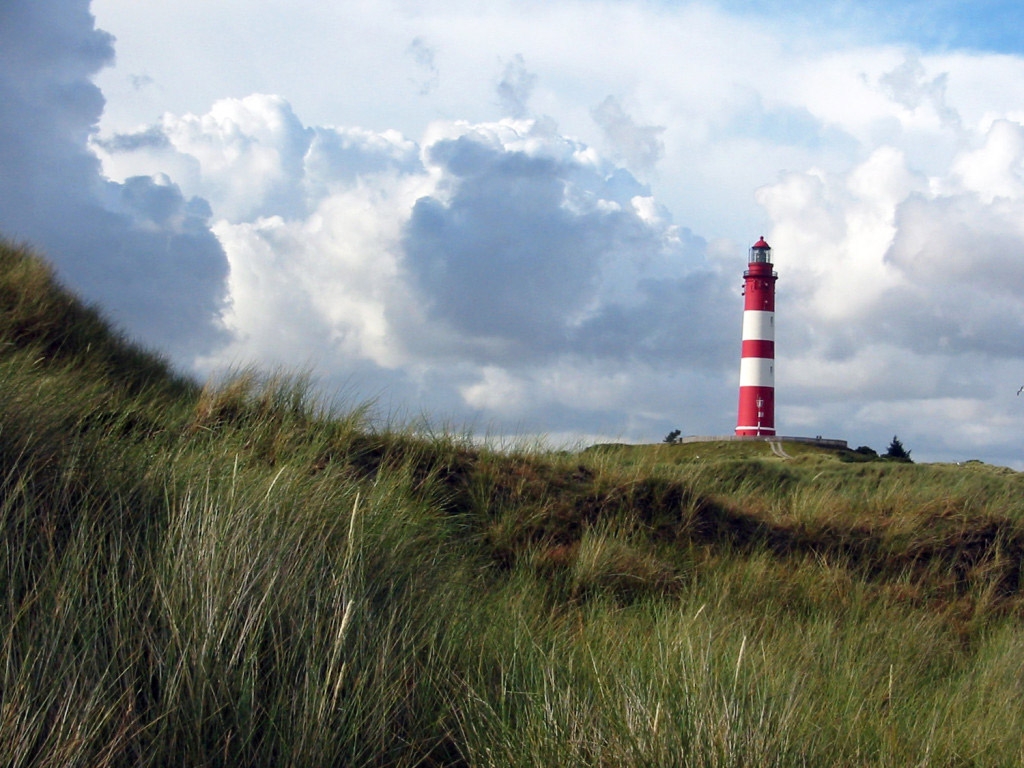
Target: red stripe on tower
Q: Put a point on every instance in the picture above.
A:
(757, 362)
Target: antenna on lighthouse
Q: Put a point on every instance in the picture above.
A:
(756, 416)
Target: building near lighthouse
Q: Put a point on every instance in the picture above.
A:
(756, 414)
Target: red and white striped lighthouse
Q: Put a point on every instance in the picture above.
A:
(757, 363)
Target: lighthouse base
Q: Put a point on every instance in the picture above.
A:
(824, 442)
(756, 411)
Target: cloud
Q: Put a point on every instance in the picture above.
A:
(250, 153)
(139, 82)
(151, 138)
(307, 238)
(515, 87)
(962, 283)
(558, 243)
(996, 169)
(640, 146)
(342, 156)
(424, 58)
(167, 278)
(537, 248)
(882, 253)
(48, 52)
(253, 157)
(491, 258)
(908, 85)
(141, 249)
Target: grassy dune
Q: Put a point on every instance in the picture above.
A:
(243, 574)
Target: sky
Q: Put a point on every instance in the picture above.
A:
(524, 218)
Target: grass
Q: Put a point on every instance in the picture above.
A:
(243, 574)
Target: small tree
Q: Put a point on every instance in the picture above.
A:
(672, 437)
(896, 451)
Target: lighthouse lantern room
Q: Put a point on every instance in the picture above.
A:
(756, 415)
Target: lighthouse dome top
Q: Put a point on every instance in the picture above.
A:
(760, 252)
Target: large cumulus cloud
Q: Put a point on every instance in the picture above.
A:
(485, 258)
(533, 246)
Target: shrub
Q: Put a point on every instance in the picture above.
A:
(896, 451)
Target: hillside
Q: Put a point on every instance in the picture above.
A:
(245, 574)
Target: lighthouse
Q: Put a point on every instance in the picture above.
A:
(756, 415)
